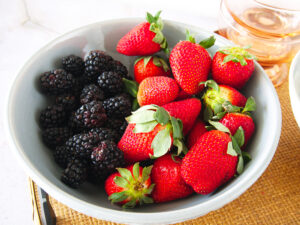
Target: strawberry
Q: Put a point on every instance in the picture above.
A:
(144, 39)
(207, 165)
(151, 132)
(190, 63)
(169, 184)
(232, 66)
(186, 110)
(157, 90)
(150, 66)
(196, 132)
(130, 186)
(233, 121)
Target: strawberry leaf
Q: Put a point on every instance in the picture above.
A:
(121, 182)
(217, 108)
(180, 146)
(136, 171)
(250, 105)
(230, 150)
(240, 165)
(207, 114)
(218, 116)
(135, 104)
(159, 62)
(146, 60)
(150, 19)
(146, 107)
(219, 126)
(158, 38)
(131, 87)
(239, 136)
(146, 173)
(208, 42)
(146, 200)
(229, 58)
(246, 157)
(118, 196)
(236, 146)
(161, 142)
(190, 37)
(131, 204)
(141, 117)
(150, 189)
(209, 128)
(137, 60)
(125, 173)
(161, 116)
(144, 127)
(177, 130)
(230, 108)
(212, 84)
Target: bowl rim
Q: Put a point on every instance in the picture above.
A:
(120, 216)
(294, 99)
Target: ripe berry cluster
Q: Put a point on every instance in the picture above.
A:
(86, 118)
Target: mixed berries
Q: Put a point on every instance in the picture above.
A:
(180, 127)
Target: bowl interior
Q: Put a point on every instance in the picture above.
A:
(26, 102)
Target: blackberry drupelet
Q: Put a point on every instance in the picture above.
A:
(106, 157)
(62, 156)
(95, 63)
(53, 116)
(56, 82)
(73, 64)
(75, 173)
(119, 68)
(68, 101)
(81, 145)
(118, 106)
(104, 134)
(91, 92)
(111, 83)
(56, 136)
(123, 128)
(90, 115)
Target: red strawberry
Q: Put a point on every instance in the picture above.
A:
(157, 90)
(183, 95)
(186, 110)
(144, 39)
(151, 132)
(232, 66)
(213, 98)
(169, 184)
(190, 64)
(130, 186)
(137, 146)
(207, 165)
(150, 66)
(234, 120)
(196, 132)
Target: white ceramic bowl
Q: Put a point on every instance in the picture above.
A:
(294, 86)
(25, 103)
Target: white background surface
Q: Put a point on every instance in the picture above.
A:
(27, 25)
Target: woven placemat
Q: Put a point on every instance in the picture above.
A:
(273, 199)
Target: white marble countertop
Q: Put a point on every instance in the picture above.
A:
(27, 25)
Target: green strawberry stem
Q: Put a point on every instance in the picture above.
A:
(236, 54)
(133, 186)
(148, 117)
(206, 43)
(156, 26)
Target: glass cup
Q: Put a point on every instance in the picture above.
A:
(271, 28)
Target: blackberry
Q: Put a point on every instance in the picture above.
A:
(147, 162)
(119, 68)
(53, 116)
(81, 145)
(118, 106)
(78, 86)
(105, 158)
(73, 64)
(111, 83)
(56, 82)
(104, 134)
(62, 156)
(123, 128)
(56, 136)
(90, 115)
(75, 173)
(95, 63)
(91, 92)
(115, 124)
(68, 101)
